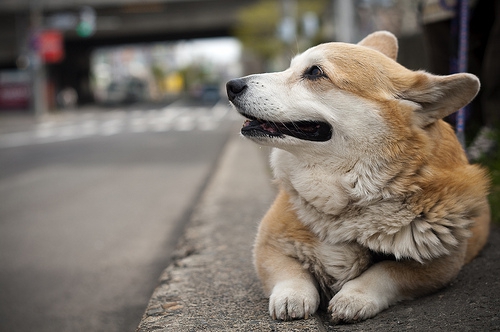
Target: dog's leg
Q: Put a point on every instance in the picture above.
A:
(388, 282)
(291, 288)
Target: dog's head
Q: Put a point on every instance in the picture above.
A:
(345, 98)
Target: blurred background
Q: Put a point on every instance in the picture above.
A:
(112, 116)
(59, 54)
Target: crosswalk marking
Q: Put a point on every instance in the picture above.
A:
(80, 125)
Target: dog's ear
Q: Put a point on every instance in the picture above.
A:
(382, 41)
(440, 96)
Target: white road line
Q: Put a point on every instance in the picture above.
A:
(111, 127)
(44, 131)
(66, 132)
(207, 126)
(185, 123)
(89, 127)
(73, 126)
(137, 125)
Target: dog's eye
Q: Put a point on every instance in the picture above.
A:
(314, 72)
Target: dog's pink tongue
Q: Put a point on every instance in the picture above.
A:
(268, 127)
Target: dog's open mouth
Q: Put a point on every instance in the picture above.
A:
(306, 130)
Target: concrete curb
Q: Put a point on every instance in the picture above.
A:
(211, 284)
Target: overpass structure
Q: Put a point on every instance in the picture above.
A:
(115, 22)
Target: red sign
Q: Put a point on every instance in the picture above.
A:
(51, 46)
(15, 89)
(14, 96)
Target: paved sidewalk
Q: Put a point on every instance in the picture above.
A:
(211, 284)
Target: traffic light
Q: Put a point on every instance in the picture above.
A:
(86, 25)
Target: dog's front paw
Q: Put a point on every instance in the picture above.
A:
(293, 299)
(352, 304)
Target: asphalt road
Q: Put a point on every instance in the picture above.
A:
(87, 223)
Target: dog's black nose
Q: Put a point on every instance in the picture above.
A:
(235, 87)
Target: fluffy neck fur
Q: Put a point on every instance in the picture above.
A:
(416, 217)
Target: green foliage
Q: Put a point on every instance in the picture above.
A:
(492, 162)
(196, 75)
(495, 192)
(257, 26)
(157, 72)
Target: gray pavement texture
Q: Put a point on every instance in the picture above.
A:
(211, 284)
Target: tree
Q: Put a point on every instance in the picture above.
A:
(258, 26)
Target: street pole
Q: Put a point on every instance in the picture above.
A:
(38, 87)
(344, 13)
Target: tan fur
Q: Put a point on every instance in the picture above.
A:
(393, 180)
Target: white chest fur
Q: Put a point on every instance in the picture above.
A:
(327, 204)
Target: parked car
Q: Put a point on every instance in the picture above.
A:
(124, 92)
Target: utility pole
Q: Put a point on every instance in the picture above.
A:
(38, 87)
(345, 28)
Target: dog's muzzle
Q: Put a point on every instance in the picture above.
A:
(254, 127)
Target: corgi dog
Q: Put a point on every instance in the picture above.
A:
(377, 201)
